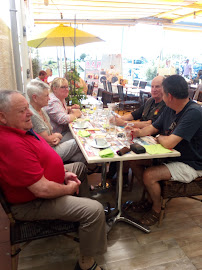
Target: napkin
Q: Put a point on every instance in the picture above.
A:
(105, 126)
(83, 133)
(156, 149)
(106, 153)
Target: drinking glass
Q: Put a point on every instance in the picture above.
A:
(128, 133)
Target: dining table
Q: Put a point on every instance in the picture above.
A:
(97, 123)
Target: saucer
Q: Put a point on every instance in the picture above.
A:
(93, 144)
(85, 126)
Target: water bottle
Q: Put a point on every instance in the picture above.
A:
(99, 106)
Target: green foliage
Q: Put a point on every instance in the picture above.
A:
(76, 93)
(83, 56)
(151, 72)
(35, 67)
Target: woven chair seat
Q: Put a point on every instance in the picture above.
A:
(173, 189)
(23, 231)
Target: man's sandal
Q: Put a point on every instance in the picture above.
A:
(93, 267)
(150, 218)
(139, 207)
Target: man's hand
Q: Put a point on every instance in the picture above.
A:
(135, 132)
(72, 181)
(117, 121)
(58, 135)
(54, 142)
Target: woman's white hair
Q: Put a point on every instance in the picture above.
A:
(36, 87)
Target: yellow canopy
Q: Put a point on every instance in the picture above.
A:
(120, 12)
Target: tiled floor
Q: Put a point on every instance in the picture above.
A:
(176, 245)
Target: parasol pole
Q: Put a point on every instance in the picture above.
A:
(64, 54)
(74, 49)
(63, 41)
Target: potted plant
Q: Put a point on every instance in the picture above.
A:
(76, 93)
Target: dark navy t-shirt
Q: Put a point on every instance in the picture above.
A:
(189, 127)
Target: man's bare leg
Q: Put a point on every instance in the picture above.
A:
(151, 178)
(138, 167)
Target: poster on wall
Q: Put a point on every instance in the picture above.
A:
(92, 70)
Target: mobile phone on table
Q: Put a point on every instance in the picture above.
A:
(123, 151)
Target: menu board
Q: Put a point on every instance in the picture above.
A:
(92, 70)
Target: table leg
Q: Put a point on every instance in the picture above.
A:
(103, 186)
(104, 172)
(124, 217)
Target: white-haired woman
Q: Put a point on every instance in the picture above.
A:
(38, 93)
(60, 115)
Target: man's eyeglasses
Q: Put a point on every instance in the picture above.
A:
(65, 86)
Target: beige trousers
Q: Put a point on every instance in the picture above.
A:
(89, 213)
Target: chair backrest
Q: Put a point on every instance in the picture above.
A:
(90, 89)
(109, 84)
(106, 98)
(4, 203)
(191, 93)
(105, 85)
(199, 96)
(142, 84)
(136, 82)
(114, 79)
(99, 92)
(198, 93)
(144, 96)
(120, 91)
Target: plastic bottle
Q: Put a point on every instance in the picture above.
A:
(99, 106)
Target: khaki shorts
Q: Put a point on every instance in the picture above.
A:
(182, 172)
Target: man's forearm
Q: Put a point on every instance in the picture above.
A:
(127, 117)
(49, 189)
(142, 124)
(146, 131)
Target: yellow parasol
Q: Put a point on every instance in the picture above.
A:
(62, 35)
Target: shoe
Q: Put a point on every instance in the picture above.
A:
(139, 207)
(93, 267)
(150, 218)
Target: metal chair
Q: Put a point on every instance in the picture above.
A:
(191, 93)
(144, 96)
(107, 97)
(142, 84)
(90, 90)
(126, 105)
(115, 97)
(99, 92)
(175, 189)
(104, 85)
(136, 83)
(114, 79)
(27, 231)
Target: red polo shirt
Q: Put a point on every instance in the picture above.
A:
(23, 161)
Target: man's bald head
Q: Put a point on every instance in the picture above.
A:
(157, 88)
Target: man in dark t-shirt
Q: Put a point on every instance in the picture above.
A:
(147, 114)
(150, 111)
(179, 127)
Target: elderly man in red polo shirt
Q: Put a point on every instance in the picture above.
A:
(37, 184)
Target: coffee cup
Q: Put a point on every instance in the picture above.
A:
(80, 123)
(100, 140)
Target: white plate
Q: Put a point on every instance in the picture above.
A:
(85, 126)
(93, 144)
